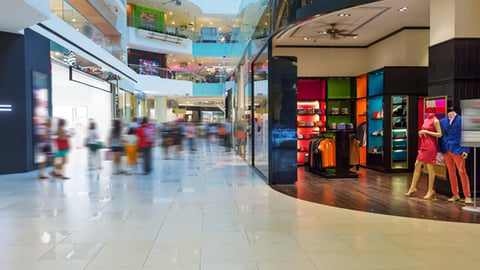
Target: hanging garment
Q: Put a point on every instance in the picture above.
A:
(327, 147)
(354, 152)
(361, 134)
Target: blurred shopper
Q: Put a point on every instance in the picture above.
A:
(93, 145)
(227, 136)
(131, 142)
(115, 143)
(190, 135)
(45, 146)
(167, 139)
(63, 147)
(146, 139)
(177, 138)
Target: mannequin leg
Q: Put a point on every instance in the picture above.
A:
(431, 182)
(452, 172)
(460, 163)
(416, 175)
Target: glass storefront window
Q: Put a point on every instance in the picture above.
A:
(260, 111)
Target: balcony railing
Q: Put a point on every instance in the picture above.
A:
(196, 37)
(159, 27)
(184, 75)
(73, 17)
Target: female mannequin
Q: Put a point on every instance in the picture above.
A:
(427, 154)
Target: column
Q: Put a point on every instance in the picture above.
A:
(454, 53)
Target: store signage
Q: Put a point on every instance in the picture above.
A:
(471, 122)
(5, 108)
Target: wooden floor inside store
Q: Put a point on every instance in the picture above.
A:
(377, 193)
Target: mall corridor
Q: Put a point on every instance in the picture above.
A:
(208, 211)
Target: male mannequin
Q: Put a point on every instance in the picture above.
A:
(454, 154)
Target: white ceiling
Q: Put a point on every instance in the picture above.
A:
(16, 15)
(369, 22)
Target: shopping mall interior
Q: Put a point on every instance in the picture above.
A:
(287, 134)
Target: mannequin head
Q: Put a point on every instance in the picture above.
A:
(451, 112)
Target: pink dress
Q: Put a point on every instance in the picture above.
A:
(428, 146)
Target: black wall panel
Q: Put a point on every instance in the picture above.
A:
(282, 98)
(20, 55)
(13, 141)
(406, 80)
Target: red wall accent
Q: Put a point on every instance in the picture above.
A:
(310, 89)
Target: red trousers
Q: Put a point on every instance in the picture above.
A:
(452, 161)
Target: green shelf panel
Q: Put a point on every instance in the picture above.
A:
(338, 88)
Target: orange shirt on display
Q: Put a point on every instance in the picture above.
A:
(327, 147)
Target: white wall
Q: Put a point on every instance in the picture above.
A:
(407, 48)
(442, 20)
(68, 95)
(326, 61)
(156, 86)
(454, 19)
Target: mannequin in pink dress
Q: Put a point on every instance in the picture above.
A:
(427, 154)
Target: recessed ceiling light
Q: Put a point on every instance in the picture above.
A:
(344, 15)
(355, 37)
(173, 22)
(171, 13)
(402, 9)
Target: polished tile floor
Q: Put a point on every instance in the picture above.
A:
(208, 211)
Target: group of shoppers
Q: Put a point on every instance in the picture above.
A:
(53, 144)
(134, 139)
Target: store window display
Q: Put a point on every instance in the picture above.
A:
(454, 154)
(427, 154)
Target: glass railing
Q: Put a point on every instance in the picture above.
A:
(184, 75)
(165, 73)
(159, 27)
(196, 37)
(69, 14)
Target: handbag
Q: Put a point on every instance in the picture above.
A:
(62, 144)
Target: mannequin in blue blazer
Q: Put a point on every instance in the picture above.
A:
(454, 154)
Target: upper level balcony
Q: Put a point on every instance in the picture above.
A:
(82, 24)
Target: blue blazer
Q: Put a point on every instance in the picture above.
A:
(451, 136)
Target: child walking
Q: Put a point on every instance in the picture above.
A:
(131, 141)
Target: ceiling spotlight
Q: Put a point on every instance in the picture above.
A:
(355, 37)
(402, 9)
(344, 15)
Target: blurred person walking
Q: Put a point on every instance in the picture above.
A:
(45, 147)
(131, 142)
(93, 144)
(146, 139)
(63, 147)
(115, 143)
(190, 135)
(167, 139)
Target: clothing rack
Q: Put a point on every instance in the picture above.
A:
(342, 156)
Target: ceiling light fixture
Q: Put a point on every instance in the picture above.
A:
(402, 9)
(355, 37)
(344, 15)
